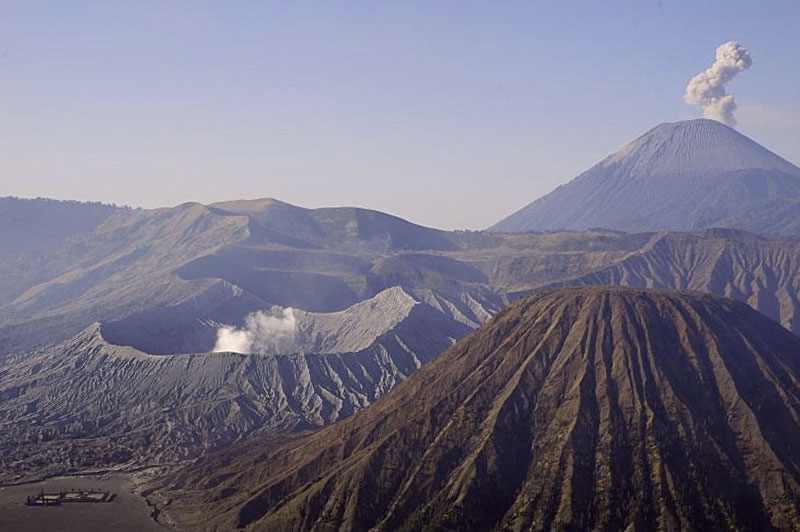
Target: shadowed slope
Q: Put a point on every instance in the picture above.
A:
(573, 409)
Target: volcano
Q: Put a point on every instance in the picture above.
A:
(680, 176)
(573, 409)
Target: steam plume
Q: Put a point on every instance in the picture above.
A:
(707, 88)
(262, 333)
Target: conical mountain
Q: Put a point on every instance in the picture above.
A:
(574, 409)
(678, 176)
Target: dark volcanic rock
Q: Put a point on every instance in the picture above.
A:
(603, 409)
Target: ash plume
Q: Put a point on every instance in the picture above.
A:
(262, 333)
(707, 89)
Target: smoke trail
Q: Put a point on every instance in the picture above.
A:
(262, 333)
(707, 88)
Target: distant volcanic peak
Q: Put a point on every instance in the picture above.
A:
(679, 176)
(698, 147)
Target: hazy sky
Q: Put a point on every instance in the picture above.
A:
(451, 114)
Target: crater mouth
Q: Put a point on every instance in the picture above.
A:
(276, 330)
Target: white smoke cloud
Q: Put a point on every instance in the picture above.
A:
(262, 333)
(707, 89)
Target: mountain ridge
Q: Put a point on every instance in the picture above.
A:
(156, 266)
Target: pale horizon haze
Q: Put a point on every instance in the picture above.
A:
(448, 114)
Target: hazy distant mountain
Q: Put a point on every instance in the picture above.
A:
(575, 409)
(123, 265)
(678, 176)
(28, 225)
(31, 229)
(335, 227)
(134, 262)
(92, 403)
(163, 273)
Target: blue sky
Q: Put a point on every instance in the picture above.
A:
(451, 114)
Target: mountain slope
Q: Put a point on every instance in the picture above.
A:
(30, 225)
(590, 409)
(678, 176)
(88, 403)
(31, 228)
(124, 265)
(762, 272)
